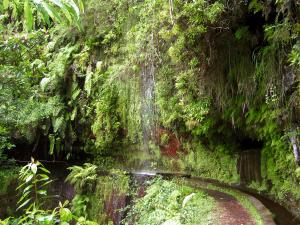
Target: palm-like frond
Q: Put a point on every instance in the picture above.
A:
(82, 177)
(60, 11)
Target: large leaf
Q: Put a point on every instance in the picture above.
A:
(53, 13)
(5, 4)
(41, 10)
(28, 15)
(63, 8)
(74, 6)
(65, 214)
(80, 5)
(69, 9)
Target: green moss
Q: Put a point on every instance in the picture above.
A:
(215, 163)
(117, 182)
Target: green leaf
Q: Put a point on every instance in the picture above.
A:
(29, 178)
(74, 113)
(42, 192)
(255, 6)
(46, 183)
(75, 93)
(5, 4)
(23, 197)
(44, 169)
(27, 188)
(42, 11)
(64, 223)
(24, 203)
(74, 7)
(65, 214)
(58, 123)
(67, 10)
(28, 15)
(44, 82)
(52, 12)
(80, 5)
(52, 144)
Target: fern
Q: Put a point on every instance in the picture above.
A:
(83, 178)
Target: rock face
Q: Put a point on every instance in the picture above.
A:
(249, 166)
(114, 206)
(171, 146)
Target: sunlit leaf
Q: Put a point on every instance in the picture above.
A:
(24, 204)
(52, 12)
(81, 5)
(29, 178)
(29, 20)
(44, 169)
(5, 4)
(65, 214)
(42, 192)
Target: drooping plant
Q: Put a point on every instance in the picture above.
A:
(42, 12)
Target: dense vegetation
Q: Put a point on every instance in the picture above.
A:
(100, 80)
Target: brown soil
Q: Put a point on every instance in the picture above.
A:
(172, 147)
(229, 210)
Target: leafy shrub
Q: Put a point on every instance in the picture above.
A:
(34, 177)
(167, 202)
(83, 178)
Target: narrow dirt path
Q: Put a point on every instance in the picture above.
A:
(229, 210)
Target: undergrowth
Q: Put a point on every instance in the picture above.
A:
(169, 202)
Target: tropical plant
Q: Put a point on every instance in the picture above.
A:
(34, 178)
(37, 12)
(171, 202)
(83, 177)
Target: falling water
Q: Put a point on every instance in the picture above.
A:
(147, 104)
(147, 95)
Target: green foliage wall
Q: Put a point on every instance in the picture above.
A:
(225, 71)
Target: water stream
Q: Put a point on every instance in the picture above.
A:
(147, 104)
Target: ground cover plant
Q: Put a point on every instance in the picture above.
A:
(169, 202)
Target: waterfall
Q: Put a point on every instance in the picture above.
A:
(147, 104)
(293, 140)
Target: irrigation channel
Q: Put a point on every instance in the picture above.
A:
(232, 212)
